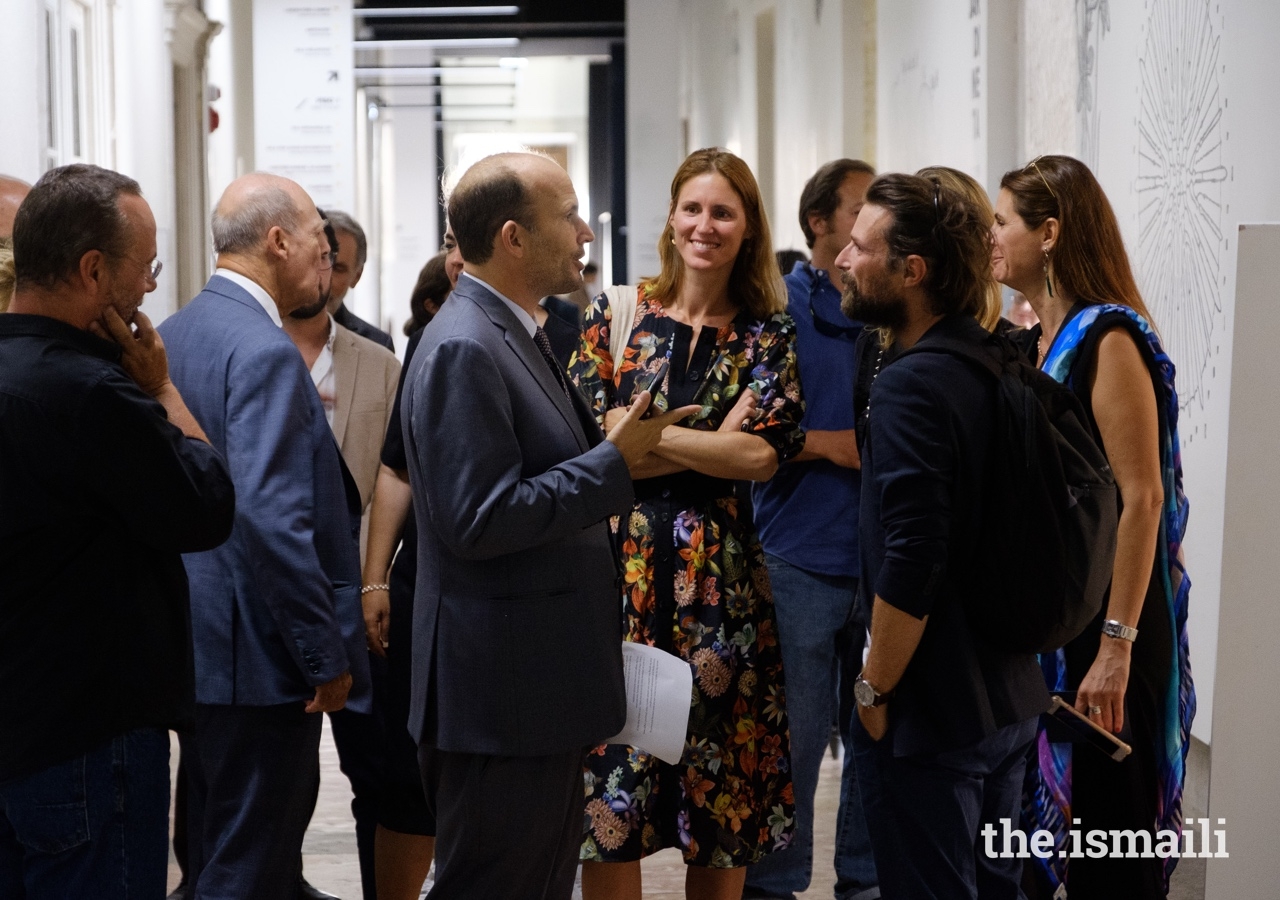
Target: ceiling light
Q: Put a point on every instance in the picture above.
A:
(414, 12)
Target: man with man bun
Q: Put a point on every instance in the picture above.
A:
(945, 716)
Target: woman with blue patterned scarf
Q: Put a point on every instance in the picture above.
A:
(1056, 239)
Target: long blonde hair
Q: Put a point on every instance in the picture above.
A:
(755, 283)
(967, 186)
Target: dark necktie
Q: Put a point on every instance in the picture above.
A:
(544, 346)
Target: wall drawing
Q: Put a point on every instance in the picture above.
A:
(1181, 171)
(1093, 20)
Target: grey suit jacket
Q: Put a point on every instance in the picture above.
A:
(365, 378)
(517, 617)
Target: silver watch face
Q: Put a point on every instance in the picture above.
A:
(864, 693)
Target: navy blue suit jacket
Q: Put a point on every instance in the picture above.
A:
(517, 619)
(276, 609)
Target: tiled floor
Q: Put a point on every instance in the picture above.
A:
(329, 853)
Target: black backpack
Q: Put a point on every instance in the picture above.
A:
(1049, 508)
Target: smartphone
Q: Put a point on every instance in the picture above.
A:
(652, 386)
(1083, 730)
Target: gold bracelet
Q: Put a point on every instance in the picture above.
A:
(374, 587)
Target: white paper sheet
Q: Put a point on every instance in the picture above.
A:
(659, 692)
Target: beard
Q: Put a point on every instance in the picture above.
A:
(874, 304)
(126, 303)
(311, 310)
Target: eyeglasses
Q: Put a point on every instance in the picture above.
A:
(1033, 165)
(329, 260)
(152, 268)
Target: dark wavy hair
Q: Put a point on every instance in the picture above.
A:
(941, 226)
(1088, 261)
(821, 194)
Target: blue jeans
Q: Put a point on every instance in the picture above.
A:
(926, 812)
(94, 827)
(813, 611)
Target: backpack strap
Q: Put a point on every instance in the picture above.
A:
(990, 355)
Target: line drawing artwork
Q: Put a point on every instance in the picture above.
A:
(1179, 186)
(1093, 20)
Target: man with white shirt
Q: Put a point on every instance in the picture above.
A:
(356, 379)
(276, 617)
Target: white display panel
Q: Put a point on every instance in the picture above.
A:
(303, 96)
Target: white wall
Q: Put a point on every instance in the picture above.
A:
(712, 49)
(947, 86)
(19, 108)
(128, 106)
(1186, 153)
(654, 141)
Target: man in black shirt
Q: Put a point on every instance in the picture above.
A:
(945, 718)
(105, 479)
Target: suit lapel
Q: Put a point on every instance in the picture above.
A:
(345, 363)
(526, 351)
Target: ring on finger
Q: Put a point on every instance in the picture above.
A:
(1095, 710)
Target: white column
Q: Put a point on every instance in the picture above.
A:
(654, 145)
(19, 103)
(144, 128)
(1246, 720)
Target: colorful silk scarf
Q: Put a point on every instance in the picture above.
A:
(1047, 798)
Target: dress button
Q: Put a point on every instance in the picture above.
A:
(666, 493)
(694, 374)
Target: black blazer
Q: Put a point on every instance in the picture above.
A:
(516, 621)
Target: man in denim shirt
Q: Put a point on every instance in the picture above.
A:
(808, 520)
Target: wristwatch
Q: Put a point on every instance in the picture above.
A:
(1115, 629)
(868, 696)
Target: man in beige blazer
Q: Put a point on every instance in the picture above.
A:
(356, 379)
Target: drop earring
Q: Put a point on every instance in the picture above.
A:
(1048, 283)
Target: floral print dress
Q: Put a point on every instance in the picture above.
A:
(696, 586)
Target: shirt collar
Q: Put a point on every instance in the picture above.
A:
(256, 291)
(333, 334)
(525, 319)
(14, 324)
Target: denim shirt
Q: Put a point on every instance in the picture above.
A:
(807, 514)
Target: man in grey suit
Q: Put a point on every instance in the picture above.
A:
(276, 610)
(517, 628)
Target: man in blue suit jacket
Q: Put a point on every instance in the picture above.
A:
(276, 610)
(517, 626)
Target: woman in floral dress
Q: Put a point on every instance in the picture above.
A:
(709, 330)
